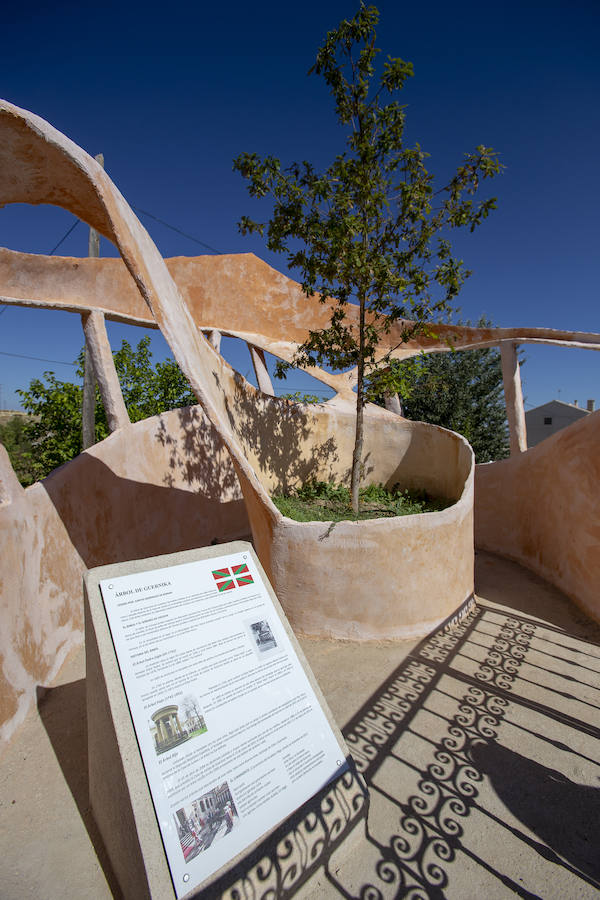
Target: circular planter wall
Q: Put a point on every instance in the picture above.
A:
(388, 578)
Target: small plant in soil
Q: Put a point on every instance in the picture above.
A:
(325, 501)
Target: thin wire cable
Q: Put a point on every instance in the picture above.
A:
(58, 362)
(150, 215)
(72, 228)
(190, 237)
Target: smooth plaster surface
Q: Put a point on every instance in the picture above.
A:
(420, 569)
(237, 294)
(541, 509)
(271, 443)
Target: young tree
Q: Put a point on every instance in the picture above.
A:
(372, 229)
(54, 434)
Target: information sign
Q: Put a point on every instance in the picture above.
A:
(232, 737)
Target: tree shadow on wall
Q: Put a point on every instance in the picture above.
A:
(198, 456)
(278, 434)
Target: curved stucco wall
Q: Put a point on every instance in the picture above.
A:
(41, 613)
(379, 581)
(237, 294)
(540, 508)
(167, 484)
(388, 578)
(159, 486)
(288, 443)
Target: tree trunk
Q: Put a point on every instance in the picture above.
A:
(360, 391)
(357, 456)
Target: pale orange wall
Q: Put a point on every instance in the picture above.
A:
(41, 615)
(155, 487)
(540, 508)
(233, 292)
(372, 580)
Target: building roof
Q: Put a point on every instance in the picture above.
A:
(558, 406)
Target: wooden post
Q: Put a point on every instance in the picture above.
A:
(260, 370)
(513, 397)
(88, 410)
(392, 403)
(101, 358)
(214, 339)
(88, 403)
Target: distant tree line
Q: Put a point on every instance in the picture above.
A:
(53, 433)
(461, 390)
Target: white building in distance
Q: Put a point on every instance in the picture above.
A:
(542, 421)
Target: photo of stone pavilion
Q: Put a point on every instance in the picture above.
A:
(173, 725)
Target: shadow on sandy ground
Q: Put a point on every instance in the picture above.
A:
(481, 751)
(62, 710)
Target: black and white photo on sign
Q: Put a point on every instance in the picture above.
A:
(219, 700)
(263, 636)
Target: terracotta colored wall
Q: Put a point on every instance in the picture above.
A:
(541, 509)
(288, 443)
(382, 579)
(158, 486)
(237, 293)
(41, 615)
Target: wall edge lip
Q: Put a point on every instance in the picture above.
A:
(95, 451)
(396, 523)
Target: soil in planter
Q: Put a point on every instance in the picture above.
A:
(322, 501)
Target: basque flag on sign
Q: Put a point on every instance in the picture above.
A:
(224, 580)
(225, 577)
(242, 574)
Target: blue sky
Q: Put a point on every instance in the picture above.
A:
(171, 94)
